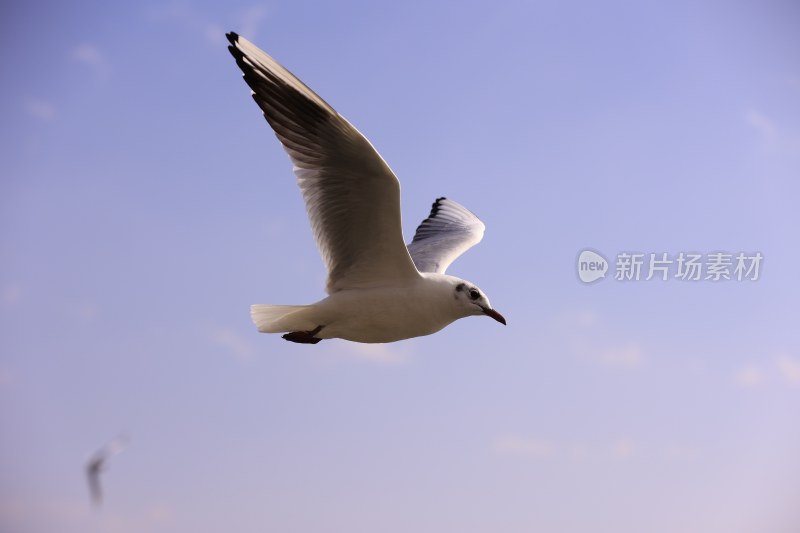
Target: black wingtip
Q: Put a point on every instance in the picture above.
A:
(233, 38)
(435, 206)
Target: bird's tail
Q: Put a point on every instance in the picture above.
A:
(280, 318)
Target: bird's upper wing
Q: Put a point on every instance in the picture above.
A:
(449, 231)
(351, 195)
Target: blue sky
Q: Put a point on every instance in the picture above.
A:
(145, 204)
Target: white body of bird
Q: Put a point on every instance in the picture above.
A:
(375, 315)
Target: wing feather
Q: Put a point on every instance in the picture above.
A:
(352, 196)
(449, 231)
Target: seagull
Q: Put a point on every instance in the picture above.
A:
(98, 462)
(379, 289)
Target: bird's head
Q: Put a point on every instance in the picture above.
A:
(472, 301)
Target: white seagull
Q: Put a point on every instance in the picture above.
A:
(379, 289)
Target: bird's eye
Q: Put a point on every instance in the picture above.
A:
(473, 294)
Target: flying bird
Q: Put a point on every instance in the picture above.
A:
(98, 463)
(379, 289)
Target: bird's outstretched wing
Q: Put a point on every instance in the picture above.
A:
(99, 462)
(93, 469)
(351, 195)
(449, 231)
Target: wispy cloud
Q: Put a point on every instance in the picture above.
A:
(337, 351)
(783, 368)
(597, 349)
(592, 339)
(191, 19)
(251, 20)
(40, 109)
(85, 311)
(11, 295)
(578, 319)
(247, 21)
(384, 354)
(232, 341)
(764, 126)
(92, 57)
(629, 354)
(329, 351)
(623, 448)
(789, 368)
(773, 136)
(749, 377)
(78, 310)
